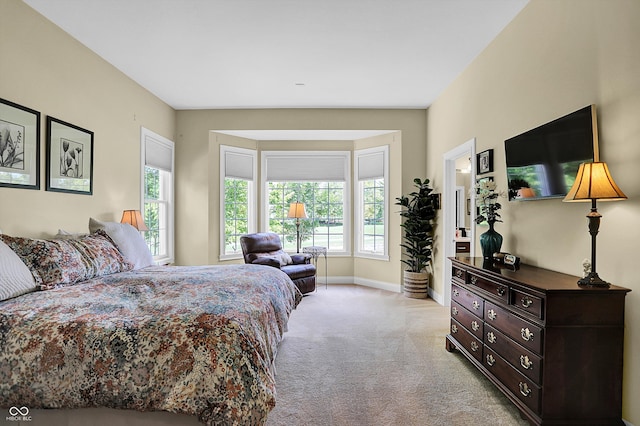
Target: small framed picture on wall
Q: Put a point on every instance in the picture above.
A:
(19, 146)
(69, 158)
(484, 162)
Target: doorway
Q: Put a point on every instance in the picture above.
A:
(450, 201)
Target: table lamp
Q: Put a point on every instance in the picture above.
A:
(134, 218)
(594, 182)
(297, 212)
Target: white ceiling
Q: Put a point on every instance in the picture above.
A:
(198, 54)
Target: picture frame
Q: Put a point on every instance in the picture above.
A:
(484, 162)
(69, 158)
(19, 146)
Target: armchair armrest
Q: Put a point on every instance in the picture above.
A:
(268, 261)
(300, 258)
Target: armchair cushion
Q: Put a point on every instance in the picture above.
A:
(279, 256)
(299, 271)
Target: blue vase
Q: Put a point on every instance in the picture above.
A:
(490, 242)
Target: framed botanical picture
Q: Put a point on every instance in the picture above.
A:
(69, 158)
(484, 162)
(19, 146)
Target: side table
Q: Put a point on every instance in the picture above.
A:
(315, 252)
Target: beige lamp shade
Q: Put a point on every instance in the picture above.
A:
(594, 182)
(297, 211)
(134, 218)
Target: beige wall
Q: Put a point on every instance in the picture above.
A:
(43, 68)
(198, 192)
(556, 57)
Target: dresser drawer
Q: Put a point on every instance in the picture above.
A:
(527, 302)
(472, 344)
(463, 246)
(519, 385)
(520, 358)
(498, 290)
(473, 302)
(523, 332)
(459, 274)
(468, 320)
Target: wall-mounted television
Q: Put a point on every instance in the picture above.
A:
(543, 162)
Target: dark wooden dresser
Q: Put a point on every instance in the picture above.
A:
(552, 347)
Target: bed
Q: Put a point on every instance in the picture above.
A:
(196, 340)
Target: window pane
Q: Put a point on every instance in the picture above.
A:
(324, 206)
(151, 183)
(236, 213)
(372, 226)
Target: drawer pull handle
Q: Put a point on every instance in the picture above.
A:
(526, 302)
(491, 337)
(474, 346)
(454, 311)
(454, 328)
(524, 389)
(474, 280)
(492, 314)
(501, 290)
(476, 304)
(490, 360)
(458, 273)
(526, 334)
(525, 362)
(475, 325)
(456, 293)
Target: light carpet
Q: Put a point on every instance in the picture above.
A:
(360, 356)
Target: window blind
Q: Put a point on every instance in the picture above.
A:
(158, 155)
(316, 167)
(371, 166)
(238, 165)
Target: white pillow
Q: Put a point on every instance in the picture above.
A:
(15, 277)
(128, 239)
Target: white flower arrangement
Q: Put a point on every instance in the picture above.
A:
(487, 201)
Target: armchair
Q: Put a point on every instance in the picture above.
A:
(265, 248)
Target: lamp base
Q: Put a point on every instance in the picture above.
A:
(592, 280)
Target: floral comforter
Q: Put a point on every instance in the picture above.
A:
(195, 340)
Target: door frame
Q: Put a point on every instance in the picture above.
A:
(467, 149)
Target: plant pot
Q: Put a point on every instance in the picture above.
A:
(416, 284)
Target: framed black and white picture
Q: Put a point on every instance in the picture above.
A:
(69, 158)
(484, 162)
(19, 146)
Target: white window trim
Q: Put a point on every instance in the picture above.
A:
(148, 135)
(346, 155)
(251, 195)
(358, 211)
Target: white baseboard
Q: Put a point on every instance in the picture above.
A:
(382, 285)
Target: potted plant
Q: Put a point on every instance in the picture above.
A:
(419, 213)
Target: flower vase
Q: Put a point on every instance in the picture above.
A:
(490, 242)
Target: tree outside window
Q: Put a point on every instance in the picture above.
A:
(236, 213)
(324, 203)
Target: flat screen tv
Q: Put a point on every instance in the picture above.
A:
(543, 162)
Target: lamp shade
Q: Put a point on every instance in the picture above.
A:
(594, 182)
(134, 218)
(296, 210)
